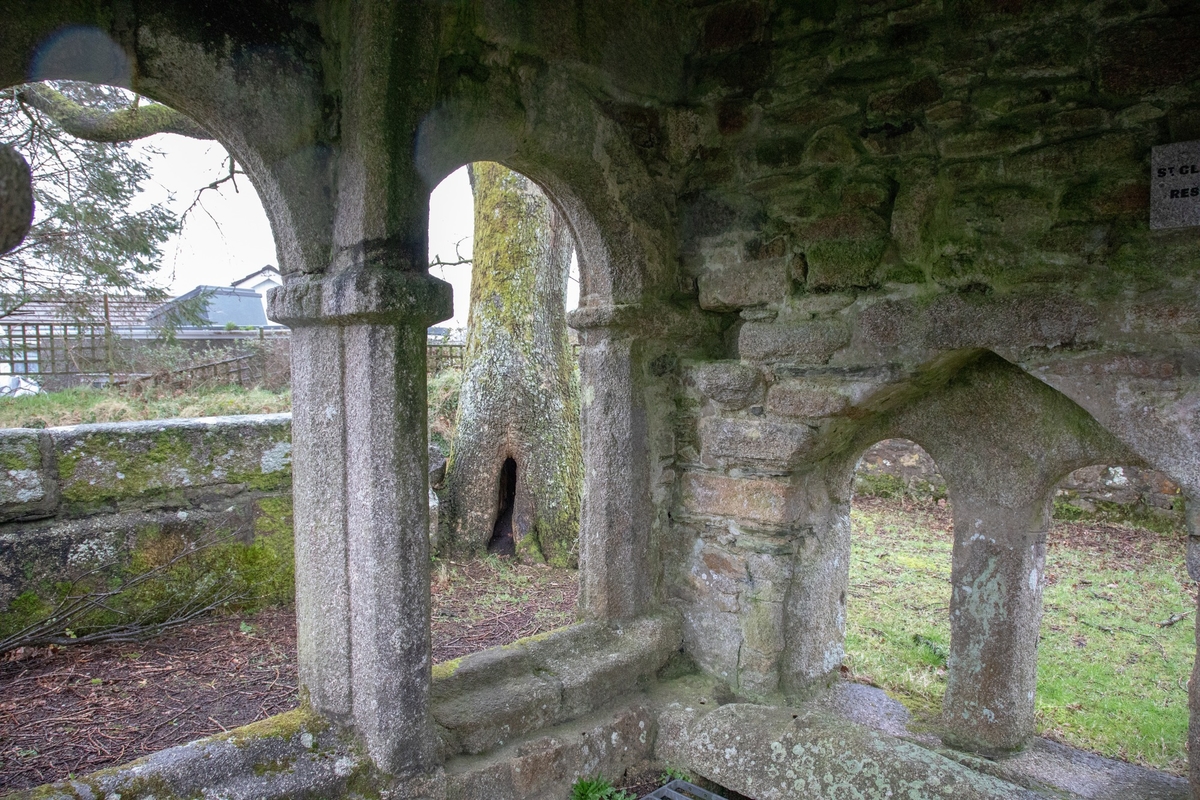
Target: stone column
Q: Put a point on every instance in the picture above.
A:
(361, 513)
(995, 613)
(616, 579)
(814, 630)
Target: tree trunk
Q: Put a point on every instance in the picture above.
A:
(515, 472)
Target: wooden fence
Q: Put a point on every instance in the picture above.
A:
(244, 370)
(443, 356)
(57, 355)
(44, 349)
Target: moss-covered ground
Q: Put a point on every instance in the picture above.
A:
(87, 405)
(1117, 641)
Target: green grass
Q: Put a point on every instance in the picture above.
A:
(1109, 679)
(85, 405)
(597, 789)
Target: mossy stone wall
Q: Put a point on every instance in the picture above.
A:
(131, 494)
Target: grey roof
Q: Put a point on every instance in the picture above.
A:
(87, 309)
(240, 306)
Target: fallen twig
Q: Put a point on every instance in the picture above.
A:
(1174, 618)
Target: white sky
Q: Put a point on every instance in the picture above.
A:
(227, 235)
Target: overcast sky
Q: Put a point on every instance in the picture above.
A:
(227, 235)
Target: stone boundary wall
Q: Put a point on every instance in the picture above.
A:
(904, 464)
(75, 498)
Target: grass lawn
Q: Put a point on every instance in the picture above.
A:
(84, 405)
(1112, 678)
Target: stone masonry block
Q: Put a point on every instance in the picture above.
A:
(768, 501)
(25, 488)
(753, 441)
(727, 287)
(805, 342)
(806, 399)
(111, 463)
(730, 383)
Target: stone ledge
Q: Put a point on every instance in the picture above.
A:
(771, 753)
(487, 699)
(286, 756)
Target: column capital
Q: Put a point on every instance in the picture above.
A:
(362, 293)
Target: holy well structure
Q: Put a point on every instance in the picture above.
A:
(802, 227)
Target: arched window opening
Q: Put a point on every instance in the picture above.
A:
(1117, 633)
(94, 314)
(897, 615)
(493, 403)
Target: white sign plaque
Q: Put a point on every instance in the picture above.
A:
(1175, 185)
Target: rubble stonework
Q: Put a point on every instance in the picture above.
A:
(803, 228)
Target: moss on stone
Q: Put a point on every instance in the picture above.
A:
(446, 669)
(286, 726)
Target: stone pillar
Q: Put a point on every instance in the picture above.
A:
(995, 613)
(815, 620)
(616, 578)
(361, 513)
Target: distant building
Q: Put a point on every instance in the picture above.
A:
(118, 311)
(443, 335)
(226, 305)
(260, 281)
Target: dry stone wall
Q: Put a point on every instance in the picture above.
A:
(76, 498)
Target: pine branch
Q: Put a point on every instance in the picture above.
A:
(96, 125)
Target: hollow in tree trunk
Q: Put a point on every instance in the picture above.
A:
(515, 472)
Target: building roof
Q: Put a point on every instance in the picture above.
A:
(88, 309)
(242, 307)
(267, 271)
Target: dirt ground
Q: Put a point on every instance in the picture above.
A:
(70, 711)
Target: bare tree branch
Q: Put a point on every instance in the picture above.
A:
(459, 257)
(95, 125)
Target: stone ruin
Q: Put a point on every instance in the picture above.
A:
(802, 228)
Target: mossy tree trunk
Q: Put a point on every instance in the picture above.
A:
(516, 462)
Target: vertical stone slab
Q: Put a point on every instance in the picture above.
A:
(615, 577)
(388, 542)
(997, 576)
(815, 623)
(319, 491)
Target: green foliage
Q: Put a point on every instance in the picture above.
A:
(675, 774)
(1138, 515)
(443, 394)
(88, 237)
(892, 487)
(597, 789)
(1112, 668)
(168, 579)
